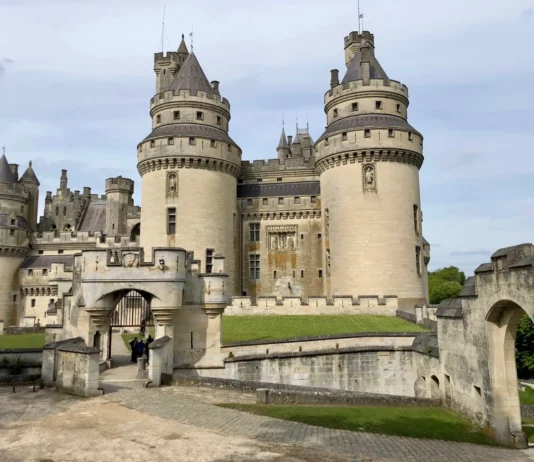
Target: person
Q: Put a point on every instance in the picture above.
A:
(143, 326)
(133, 346)
(140, 347)
(149, 340)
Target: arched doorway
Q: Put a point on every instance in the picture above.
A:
(434, 388)
(135, 233)
(502, 321)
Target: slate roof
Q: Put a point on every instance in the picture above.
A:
(94, 218)
(187, 130)
(29, 176)
(6, 175)
(20, 221)
(368, 121)
(305, 188)
(182, 49)
(45, 261)
(468, 290)
(283, 141)
(191, 77)
(354, 70)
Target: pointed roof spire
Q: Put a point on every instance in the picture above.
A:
(29, 176)
(283, 141)
(182, 49)
(191, 77)
(6, 175)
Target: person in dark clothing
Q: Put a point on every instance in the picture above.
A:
(149, 340)
(142, 328)
(133, 346)
(140, 348)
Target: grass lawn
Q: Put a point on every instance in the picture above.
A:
(22, 341)
(415, 422)
(241, 328)
(527, 396)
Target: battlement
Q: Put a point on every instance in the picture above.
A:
(170, 56)
(509, 258)
(14, 189)
(341, 304)
(185, 96)
(119, 184)
(67, 237)
(134, 211)
(355, 37)
(376, 85)
(271, 165)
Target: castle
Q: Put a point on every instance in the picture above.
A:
(340, 216)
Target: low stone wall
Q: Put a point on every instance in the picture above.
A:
(23, 330)
(410, 317)
(78, 369)
(319, 343)
(365, 304)
(527, 410)
(20, 365)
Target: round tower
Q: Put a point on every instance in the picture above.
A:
(189, 168)
(368, 159)
(119, 192)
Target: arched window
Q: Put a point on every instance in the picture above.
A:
(57, 211)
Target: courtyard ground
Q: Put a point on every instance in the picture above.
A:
(243, 328)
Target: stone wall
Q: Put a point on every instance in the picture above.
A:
(371, 304)
(18, 365)
(78, 369)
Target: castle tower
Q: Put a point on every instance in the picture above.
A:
(14, 240)
(167, 65)
(119, 192)
(368, 160)
(283, 147)
(30, 181)
(189, 168)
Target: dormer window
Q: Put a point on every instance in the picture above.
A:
(12, 222)
(176, 115)
(192, 141)
(367, 133)
(335, 112)
(410, 136)
(170, 140)
(326, 141)
(391, 133)
(212, 143)
(378, 104)
(200, 115)
(344, 136)
(354, 106)
(219, 120)
(30, 272)
(11, 232)
(398, 108)
(229, 147)
(280, 201)
(158, 119)
(45, 272)
(297, 200)
(152, 145)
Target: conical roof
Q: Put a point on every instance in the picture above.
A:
(29, 176)
(6, 175)
(296, 140)
(354, 71)
(182, 49)
(191, 77)
(283, 141)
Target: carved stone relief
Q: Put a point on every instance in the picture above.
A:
(130, 260)
(369, 177)
(172, 184)
(282, 238)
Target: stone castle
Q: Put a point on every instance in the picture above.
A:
(337, 217)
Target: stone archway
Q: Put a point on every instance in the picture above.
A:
(502, 322)
(434, 388)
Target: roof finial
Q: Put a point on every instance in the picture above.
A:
(283, 119)
(4, 150)
(307, 123)
(30, 163)
(297, 122)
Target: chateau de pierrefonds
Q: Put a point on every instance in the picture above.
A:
(332, 225)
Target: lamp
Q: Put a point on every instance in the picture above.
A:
(161, 264)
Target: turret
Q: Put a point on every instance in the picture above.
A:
(190, 154)
(368, 159)
(63, 180)
(283, 147)
(167, 65)
(119, 196)
(30, 181)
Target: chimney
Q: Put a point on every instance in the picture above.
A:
(87, 191)
(289, 140)
(63, 180)
(15, 170)
(334, 78)
(366, 52)
(215, 86)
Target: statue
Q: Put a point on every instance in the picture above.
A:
(369, 176)
(172, 183)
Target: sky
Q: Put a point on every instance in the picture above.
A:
(76, 78)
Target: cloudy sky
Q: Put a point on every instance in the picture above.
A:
(76, 78)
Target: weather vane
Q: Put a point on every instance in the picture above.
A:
(191, 35)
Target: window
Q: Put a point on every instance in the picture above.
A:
(297, 200)
(22, 209)
(176, 115)
(45, 272)
(367, 133)
(418, 259)
(40, 252)
(12, 222)
(279, 179)
(344, 136)
(302, 237)
(259, 180)
(280, 201)
(415, 221)
(326, 141)
(212, 143)
(319, 236)
(391, 133)
(378, 104)
(14, 298)
(265, 201)
(313, 199)
(229, 147)
(30, 272)
(200, 115)
(410, 136)
(254, 262)
(249, 202)
(320, 273)
(64, 211)
(209, 260)
(152, 144)
(398, 108)
(11, 232)
(192, 141)
(254, 232)
(335, 112)
(171, 220)
(301, 273)
(274, 274)
(219, 120)
(354, 106)
(33, 302)
(60, 252)
(170, 140)
(158, 119)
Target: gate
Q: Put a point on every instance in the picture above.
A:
(131, 311)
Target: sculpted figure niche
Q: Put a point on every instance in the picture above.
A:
(172, 184)
(369, 177)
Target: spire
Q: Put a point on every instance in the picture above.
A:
(283, 141)
(29, 176)
(182, 49)
(6, 175)
(191, 77)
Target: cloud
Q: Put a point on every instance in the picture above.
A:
(528, 13)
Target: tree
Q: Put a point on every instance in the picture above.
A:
(524, 348)
(445, 283)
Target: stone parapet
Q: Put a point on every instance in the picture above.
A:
(392, 87)
(186, 98)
